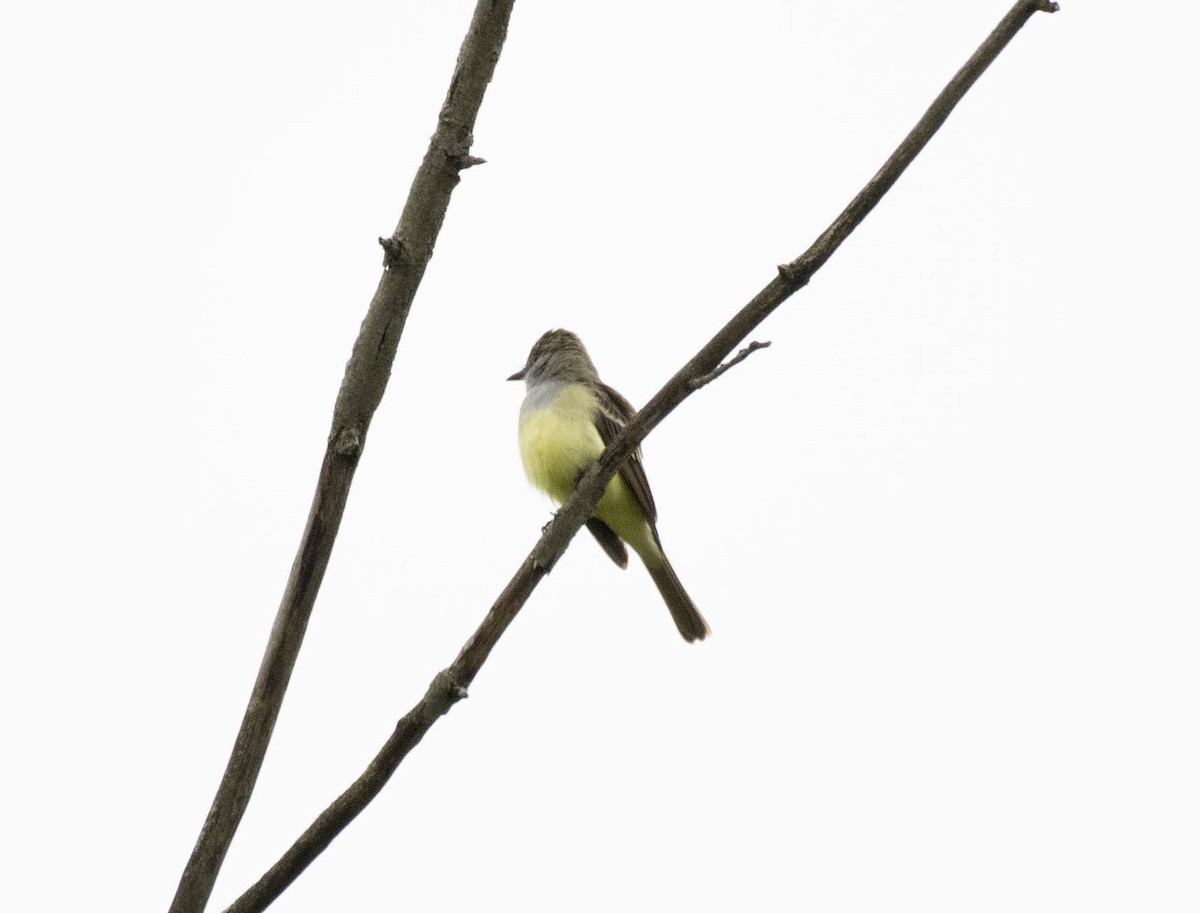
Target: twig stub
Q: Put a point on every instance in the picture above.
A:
(697, 382)
(393, 252)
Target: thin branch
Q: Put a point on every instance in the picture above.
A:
(407, 253)
(697, 382)
(791, 278)
(450, 685)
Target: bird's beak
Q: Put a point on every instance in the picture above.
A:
(520, 375)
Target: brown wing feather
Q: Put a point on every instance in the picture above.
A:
(612, 415)
(609, 541)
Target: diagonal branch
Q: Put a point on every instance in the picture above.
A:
(450, 685)
(791, 278)
(406, 254)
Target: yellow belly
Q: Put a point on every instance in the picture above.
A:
(558, 442)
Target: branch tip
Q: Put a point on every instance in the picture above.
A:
(463, 162)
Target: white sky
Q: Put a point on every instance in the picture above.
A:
(944, 529)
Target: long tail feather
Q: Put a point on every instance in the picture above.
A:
(687, 617)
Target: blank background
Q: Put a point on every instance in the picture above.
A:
(944, 529)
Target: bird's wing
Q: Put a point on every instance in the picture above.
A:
(609, 541)
(613, 413)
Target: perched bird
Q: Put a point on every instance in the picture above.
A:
(567, 419)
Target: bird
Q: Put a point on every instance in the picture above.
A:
(567, 418)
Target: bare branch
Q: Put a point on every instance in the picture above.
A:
(697, 382)
(451, 684)
(406, 254)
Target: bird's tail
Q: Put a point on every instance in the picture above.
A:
(687, 617)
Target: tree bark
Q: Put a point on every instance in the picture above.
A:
(407, 252)
(451, 684)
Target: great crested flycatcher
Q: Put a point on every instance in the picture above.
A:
(567, 419)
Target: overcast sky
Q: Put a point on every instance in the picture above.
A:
(944, 529)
